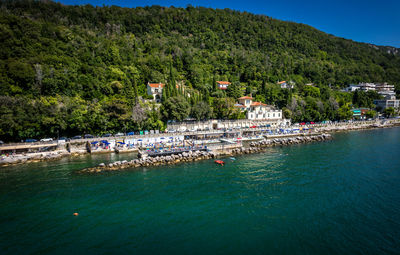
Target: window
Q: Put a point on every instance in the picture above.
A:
(156, 90)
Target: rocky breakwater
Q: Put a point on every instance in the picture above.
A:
(31, 157)
(151, 161)
(261, 145)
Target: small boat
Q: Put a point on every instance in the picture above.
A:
(232, 158)
(219, 162)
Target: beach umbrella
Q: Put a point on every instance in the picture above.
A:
(140, 140)
(120, 142)
(94, 142)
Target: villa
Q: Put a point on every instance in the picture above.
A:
(223, 84)
(155, 90)
(258, 110)
(285, 84)
(389, 101)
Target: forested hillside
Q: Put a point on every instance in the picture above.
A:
(68, 70)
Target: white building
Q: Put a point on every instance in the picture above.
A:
(223, 84)
(352, 88)
(385, 89)
(245, 101)
(285, 84)
(155, 90)
(365, 86)
(258, 110)
(389, 101)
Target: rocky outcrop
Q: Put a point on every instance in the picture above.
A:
(260, 146)
(290, 140)
(32, 157)
(152, 161)
(200, 155)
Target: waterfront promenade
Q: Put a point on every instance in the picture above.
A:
(55, 150)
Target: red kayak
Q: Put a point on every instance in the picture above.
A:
(219, 162)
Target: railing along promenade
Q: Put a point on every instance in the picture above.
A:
(31, 145)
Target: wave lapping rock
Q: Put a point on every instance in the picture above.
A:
(152, 161)
(290, 140)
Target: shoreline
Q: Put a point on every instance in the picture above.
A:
(59, 154)
(192, 156)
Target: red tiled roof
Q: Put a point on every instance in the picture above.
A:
(281, 82)
(257, 104)
(245, 97)
(156, 85)
(224, 82)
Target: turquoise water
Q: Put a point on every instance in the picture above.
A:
(336, 197)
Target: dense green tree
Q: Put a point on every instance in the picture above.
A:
(344, 113)
(66, 70)
(201, 111)
(370, 114)
(389, 112)
(234, 90)
(223, 108)
(175, 108)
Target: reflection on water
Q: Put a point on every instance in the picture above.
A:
(340, 196)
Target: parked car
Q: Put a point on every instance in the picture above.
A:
(63, 139)
(119, 134)
(253, 126)
(88, 136)
(1, 142)
(76, 137)
(46, 139)
(171, 131)
(130, 133)
(107, 135)
(192, 130)
(30, 140)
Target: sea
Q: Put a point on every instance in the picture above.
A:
(335, 197)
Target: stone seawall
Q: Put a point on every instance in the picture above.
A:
(152, 161)
(201, 155)
(264, 144)
(79, 149)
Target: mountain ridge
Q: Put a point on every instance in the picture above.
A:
(81, 69)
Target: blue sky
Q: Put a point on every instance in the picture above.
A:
(372, 21)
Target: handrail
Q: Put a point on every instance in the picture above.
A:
(83, 140)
